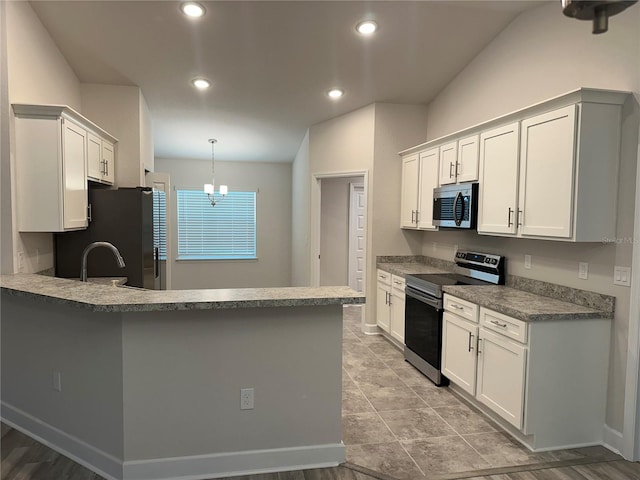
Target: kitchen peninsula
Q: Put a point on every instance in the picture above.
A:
(143, 384)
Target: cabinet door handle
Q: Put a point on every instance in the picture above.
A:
(386, 298)
(389, 299)
(450, 168)
(519, 217)
(470, 342)
(417, 212)
(509, 222)
(413, 212)
(89, 212)
(106, 167)
(457, 164)
(498, 324)
(478, 352)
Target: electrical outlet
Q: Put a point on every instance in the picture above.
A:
(622, 276)
(57, 381)
(527, 261)
(20, 261)
(583, 270)
(246, 399)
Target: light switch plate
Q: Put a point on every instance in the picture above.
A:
(527, 261)
(583, 270)
(622, 276)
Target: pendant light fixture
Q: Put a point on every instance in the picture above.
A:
(209, 188)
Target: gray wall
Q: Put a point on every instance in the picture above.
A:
(300, 207)
(542, 54)
(39, 339)
(272, 181)
(334, 230)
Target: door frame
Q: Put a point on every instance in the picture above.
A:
(316, 215)
(352, 196)
(160, 177)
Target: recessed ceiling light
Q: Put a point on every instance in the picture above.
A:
(201, 83)
(335, 93)
(367, 27)
(192, 9)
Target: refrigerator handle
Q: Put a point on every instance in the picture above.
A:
(156, 263)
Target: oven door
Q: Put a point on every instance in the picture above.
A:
(423, 330)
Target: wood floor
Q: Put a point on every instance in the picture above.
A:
(25, 459)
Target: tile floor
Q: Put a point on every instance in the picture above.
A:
(396, 422)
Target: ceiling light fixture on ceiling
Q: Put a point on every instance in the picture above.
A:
(192, 9)
(367, 27)
(598, 11)
(209, 188)
(201, 83)
(335, 93)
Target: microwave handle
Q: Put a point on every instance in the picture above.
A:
(458, 198)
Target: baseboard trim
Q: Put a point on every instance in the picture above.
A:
(613, 439)
(72, 447)
(368, 329)
(236, 463)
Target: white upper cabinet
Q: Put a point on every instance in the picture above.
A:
(468, 159)
(100, 159)
(419, 178)
(448, 163)
(547, 159)
(409, 201)
(53, 147)
(498, 192)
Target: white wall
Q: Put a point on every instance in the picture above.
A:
(300, 207)
(334, 230)
(272, 181)
(36, 73)
(146, 135)
(120, 110)
(542, 54)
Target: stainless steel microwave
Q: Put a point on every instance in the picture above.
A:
(456, 206)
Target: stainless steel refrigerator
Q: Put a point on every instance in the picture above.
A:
(123, 217)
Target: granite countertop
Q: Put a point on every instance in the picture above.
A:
(107, 298)
(522, 305)
(402, 269)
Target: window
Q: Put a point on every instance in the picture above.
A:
(226, 231)
(160, 223)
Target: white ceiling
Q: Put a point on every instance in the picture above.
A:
(271, 62)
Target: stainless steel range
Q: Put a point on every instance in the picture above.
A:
(423, 310)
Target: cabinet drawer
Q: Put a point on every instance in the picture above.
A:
(508, 326)
(398, 283)
(384, 277)
(462, 308)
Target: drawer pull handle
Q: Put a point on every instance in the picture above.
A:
(456, 306)
(470, 341)
(498, 324)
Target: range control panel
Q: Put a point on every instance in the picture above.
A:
(485, 259)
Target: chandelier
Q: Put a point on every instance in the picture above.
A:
(209, 188)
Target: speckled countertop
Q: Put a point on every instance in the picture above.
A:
(403, 269)
(106, 298)
(522, 305)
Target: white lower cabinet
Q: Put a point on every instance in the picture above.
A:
(397, 308)
(390, 305)
(501, 372)
(544, 381)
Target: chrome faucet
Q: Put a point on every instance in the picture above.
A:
(91, 246)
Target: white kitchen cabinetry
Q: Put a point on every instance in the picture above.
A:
(397, 299)
(419, 178)
(498, 193)
(383, 301)
(52, 151)
(459, 161)
(566, 175)
(543, 381)
(100, 159)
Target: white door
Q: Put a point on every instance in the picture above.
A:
(498, 180)
(547, 160)
(448, 160)
(468, 159)
(357, 237)
(409, 199)
(459, 357)
(429, 163)
(501, 376)
(162, 228)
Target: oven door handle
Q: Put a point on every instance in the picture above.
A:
(434, 302)
(459, 198)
